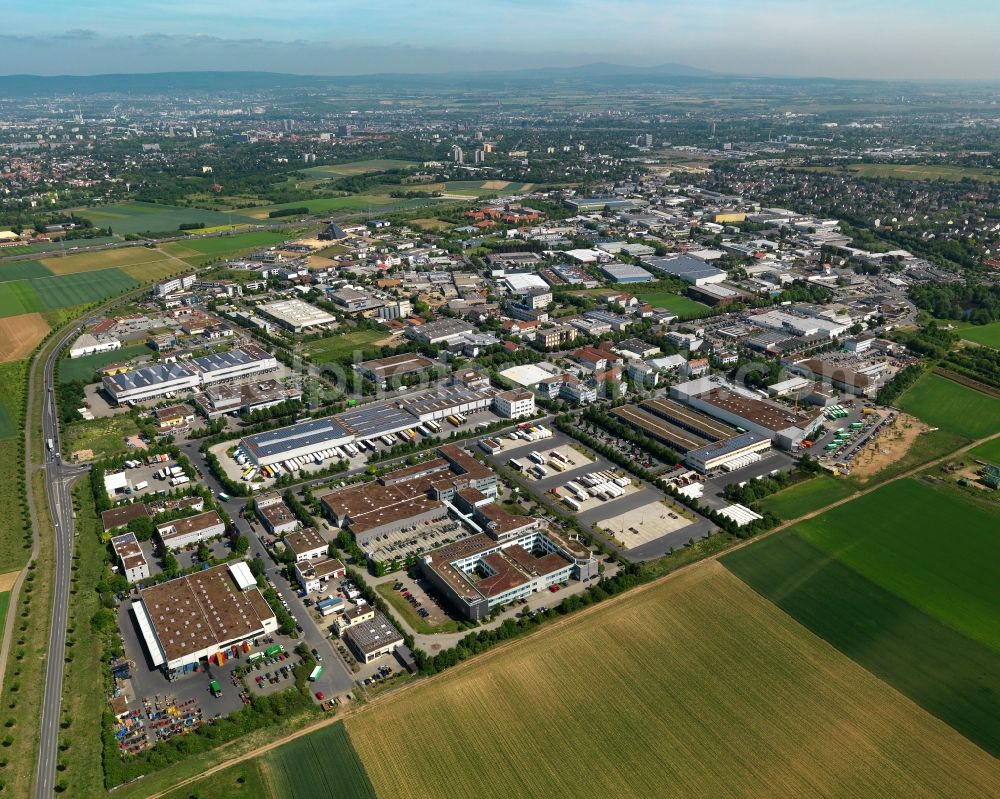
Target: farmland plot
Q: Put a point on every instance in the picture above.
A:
(694, 687)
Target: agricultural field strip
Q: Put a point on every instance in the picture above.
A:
(943, 403)
(747, 702)
(926, 544)
(953, 677)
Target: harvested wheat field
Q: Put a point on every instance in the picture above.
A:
(19, 335)
(695, 687)
(496, 184)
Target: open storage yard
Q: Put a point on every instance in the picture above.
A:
(943, 403)
(905, 580)
(695, 687)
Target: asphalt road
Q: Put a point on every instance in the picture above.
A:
(59, 478)
(336, 678)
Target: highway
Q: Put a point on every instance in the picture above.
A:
(59, 478)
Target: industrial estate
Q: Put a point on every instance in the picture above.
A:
(654, 439)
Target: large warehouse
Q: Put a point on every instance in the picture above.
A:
(189, 619)
(158, 380)
(784, 426)
(315, 436)
(730, 454)
(408, 496)
(688, 268)
(295, 315)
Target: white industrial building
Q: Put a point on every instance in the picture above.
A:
(514, 404)
(295, 315)
(729, 454)
(800, 325)
(180, 533)
(89, 345)
(157, 380)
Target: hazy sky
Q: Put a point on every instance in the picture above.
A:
(837, 38)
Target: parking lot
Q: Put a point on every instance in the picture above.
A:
(596, 511)
(413, 540)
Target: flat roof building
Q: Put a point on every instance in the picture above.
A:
(188, 619)
(157, 380)
(180, 533)
(306, 544)
(406, 363)
(130, 557)
(740, 450)
(372, 639)
(440, 331)
(295, 315)
(687, 268)
(626, 273)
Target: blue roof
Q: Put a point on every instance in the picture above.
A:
(717, 448)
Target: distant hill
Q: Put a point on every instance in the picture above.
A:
(161, 82)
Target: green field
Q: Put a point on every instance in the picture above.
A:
(63, 291)
(13, 384)
(990, 451)
(338, 345)
(694, 687)
(136, 217)
(242, 781)
(216, 245)
(914, 171)
(987, 335)
(807, 496)
(382, 203)
(18, 297)
(323, 764)
(105, 437)
(906, 581)
(84, 368)
(926, 544)
(56, 246)
(684, 307)
(8, 428)
(4, 603)
(22, 270)
(358, 168)
(942, 403)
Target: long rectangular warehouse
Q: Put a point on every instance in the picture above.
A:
(718, 453)
(689, 419)
(157, 380)
(303, 439)
(309, 438)
(661, 430)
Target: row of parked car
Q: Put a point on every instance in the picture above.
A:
(409, 597)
